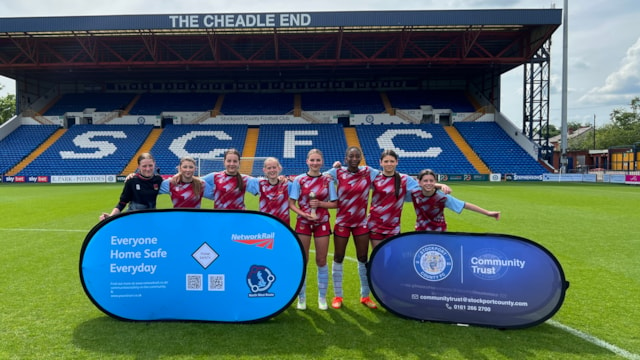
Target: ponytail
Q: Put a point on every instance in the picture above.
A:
(197, 186)
(240, 185)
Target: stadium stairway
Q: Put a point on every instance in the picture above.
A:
(297, 105)
(547, 166)
(249, 151)
(468, 152)
(145, 147)
(473, 101)
(37, 152)
(351, 136)
(49, 104)
(387, 103)
(130, 106)
(218, 106)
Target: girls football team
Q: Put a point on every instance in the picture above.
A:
(310, 196)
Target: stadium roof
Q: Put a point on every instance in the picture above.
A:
(314, 44)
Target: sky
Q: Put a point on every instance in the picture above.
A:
(603, 47)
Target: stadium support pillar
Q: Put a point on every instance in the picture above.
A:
(535, 119)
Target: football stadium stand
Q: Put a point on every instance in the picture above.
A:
(78, 102)
(498, 150)
(90, 150)
(419, 147)
(438, 99)
(357, 102)
(291, 143)
(157, 103)
(257, 104)
(21, 142)
(197, 141)
(412, 81)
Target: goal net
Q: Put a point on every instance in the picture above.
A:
(248, 165)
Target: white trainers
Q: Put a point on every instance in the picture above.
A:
(302, 304)
(322, 304)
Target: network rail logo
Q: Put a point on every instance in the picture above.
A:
(262, 240)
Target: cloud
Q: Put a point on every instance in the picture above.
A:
(620, 86)
(581, 64)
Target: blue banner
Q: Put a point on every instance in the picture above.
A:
(284, 20)
(489, 280)
(192, 264)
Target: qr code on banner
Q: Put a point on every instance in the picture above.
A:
(194, 282)
(216, 282)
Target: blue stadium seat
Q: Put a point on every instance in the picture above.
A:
(21, 142)
(291, 143)
(456, 100)
(257, 104)
(90, 150)
(102, 102)
(425, 146)
(357, 102)
(197, 141)
(498, 151)
(157, 103)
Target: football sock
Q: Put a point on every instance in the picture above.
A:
(364, 283)
(323, 280)
(303, 290)
(336, 272)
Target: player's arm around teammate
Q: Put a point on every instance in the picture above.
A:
(228, 187)
(274, 191)
(387, 199)
(353, 183)
(186, 189)
(429, 204)
(141, 191)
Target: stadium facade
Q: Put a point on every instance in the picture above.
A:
(425, 83)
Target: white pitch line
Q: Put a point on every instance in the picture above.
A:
(586, 337)
(594, 340)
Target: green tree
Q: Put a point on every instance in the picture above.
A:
(553, 131)
(624, 128)
(574, 125)
(583, 142)
(7, 106)
(627, 120)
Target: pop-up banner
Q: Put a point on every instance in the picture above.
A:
(491, 280)
(192, 264)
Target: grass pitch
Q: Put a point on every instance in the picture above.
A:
(593, 230)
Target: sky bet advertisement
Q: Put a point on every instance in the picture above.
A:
(488, 280)
(192, 264)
